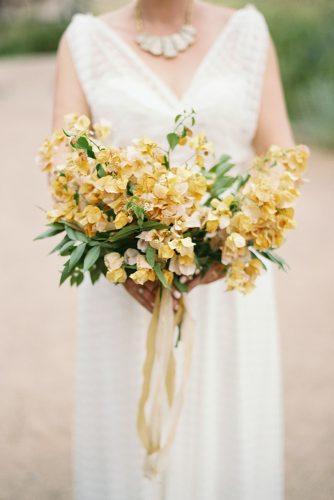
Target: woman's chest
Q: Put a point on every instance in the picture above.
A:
(141, 104)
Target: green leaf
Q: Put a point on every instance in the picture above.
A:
(222, 160)
(276, 259)
(80, 279)
(49, 233)
(65, 273)
(221, 184)
(129, 188)
(60, 245)
(160, 275)
(182, 287)
(100, 171)
(67, 248)
(91, 257)
(137, 210)
(241, 181)
(132, 229)
(173, 140)
(165, 161)
(66, 133)
(83, 143)
(177, 118)
(110, 213)
(150, 256)
(71, 233)
(125, 232)
(56, 225)
(76, 235)
(152, 224)
(256, 256)
(77, 278)
(76, 255)
(76, 197)
(95, 274)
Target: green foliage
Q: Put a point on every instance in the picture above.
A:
(302, 31)
(27, 36)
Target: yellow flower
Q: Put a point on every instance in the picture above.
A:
(113, 261)
(141, 262)
(241, 224)
(200, 144)
(197, 186)
(146, 146)
(212, 225)
(142, 275)
(130, 256)
(234, 248)
(80, 123)
(121, 220)
(165, 251)
(160, 191)
(93, 214)
(116, 276)
(242, 275)
(183, 265)
(79, 159)
(110, 184)
(168, 276)
(102, 130)
(184, 246)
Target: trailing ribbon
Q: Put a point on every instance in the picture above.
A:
(162, 397)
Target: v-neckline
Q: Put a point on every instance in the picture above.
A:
(173, 98)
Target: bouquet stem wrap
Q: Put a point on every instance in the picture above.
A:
(164, 381)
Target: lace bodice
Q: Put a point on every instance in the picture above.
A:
(225, 90)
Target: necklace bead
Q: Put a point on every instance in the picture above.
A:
(168, 46)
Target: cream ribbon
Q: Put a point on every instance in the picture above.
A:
(162, 397)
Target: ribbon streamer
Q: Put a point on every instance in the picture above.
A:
(162, 397)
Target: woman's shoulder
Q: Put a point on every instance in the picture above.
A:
(223, 13)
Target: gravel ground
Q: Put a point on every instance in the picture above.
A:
(38, 320)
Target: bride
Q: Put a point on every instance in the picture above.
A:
(222, 63)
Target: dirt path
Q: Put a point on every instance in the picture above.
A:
(38, 319)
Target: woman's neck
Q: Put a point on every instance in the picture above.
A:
(159, 13)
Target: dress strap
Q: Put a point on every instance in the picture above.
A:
(87, 58)
(245, 53)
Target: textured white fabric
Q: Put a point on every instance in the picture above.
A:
(229, 442)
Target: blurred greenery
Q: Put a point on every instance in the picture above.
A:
(303, 34)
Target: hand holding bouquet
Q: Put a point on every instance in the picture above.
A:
(135, 213)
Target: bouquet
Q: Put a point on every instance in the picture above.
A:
(136, 213)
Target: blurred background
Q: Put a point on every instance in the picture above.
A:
(37, 319)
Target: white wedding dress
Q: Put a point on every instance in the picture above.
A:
(229, 441)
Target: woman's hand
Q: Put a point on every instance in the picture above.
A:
(216, 272)
(144, 294)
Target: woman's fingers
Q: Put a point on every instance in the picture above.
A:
(214, 273)
(141, 293)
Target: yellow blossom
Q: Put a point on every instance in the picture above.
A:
(121, 220)
(116, 276)
(102, 130)
(234, 248)
(168, 276)
(165, 251)
(142, 275)
(113, 260)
